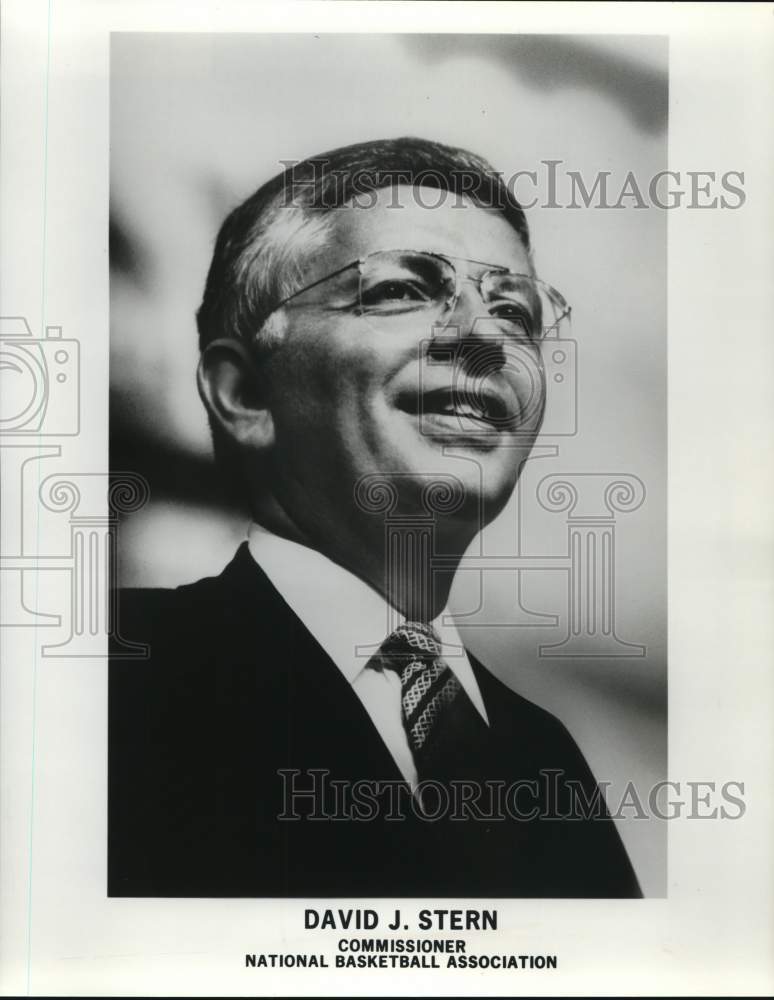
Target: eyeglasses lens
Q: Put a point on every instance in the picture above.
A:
(395, 285)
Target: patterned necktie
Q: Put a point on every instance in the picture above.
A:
(444, 728)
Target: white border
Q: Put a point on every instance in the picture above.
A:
(714, 933)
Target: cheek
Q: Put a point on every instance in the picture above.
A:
(526, 374)
(323, 383)
(532, 401)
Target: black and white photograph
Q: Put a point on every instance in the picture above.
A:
(405, 382)
(385, 565)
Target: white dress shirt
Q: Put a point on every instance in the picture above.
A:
(350, 620)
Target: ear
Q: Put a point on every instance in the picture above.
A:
(230, 387)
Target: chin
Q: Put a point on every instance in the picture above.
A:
(470, 508)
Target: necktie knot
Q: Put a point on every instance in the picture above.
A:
(410, 641)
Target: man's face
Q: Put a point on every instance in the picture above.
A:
(353, 395)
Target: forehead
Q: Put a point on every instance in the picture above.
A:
(403, 217)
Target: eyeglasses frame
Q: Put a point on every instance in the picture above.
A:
(553, 295)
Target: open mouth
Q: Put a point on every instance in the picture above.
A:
(458, 409)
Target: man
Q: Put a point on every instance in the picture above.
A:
(309, 722)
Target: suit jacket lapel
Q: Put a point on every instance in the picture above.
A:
(326, 724)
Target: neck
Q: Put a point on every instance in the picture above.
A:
(412, 565)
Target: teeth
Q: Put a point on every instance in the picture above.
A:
(448, 404)
(462, 411)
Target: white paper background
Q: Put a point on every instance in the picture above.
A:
(713, 934)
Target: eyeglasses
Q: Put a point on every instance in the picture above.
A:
(395, 285)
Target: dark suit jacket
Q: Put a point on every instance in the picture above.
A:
(236, 690)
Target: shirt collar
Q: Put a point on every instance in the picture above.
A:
(347, 617)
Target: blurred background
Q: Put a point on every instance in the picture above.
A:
(198, 122)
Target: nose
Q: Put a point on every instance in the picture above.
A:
(468, 330)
